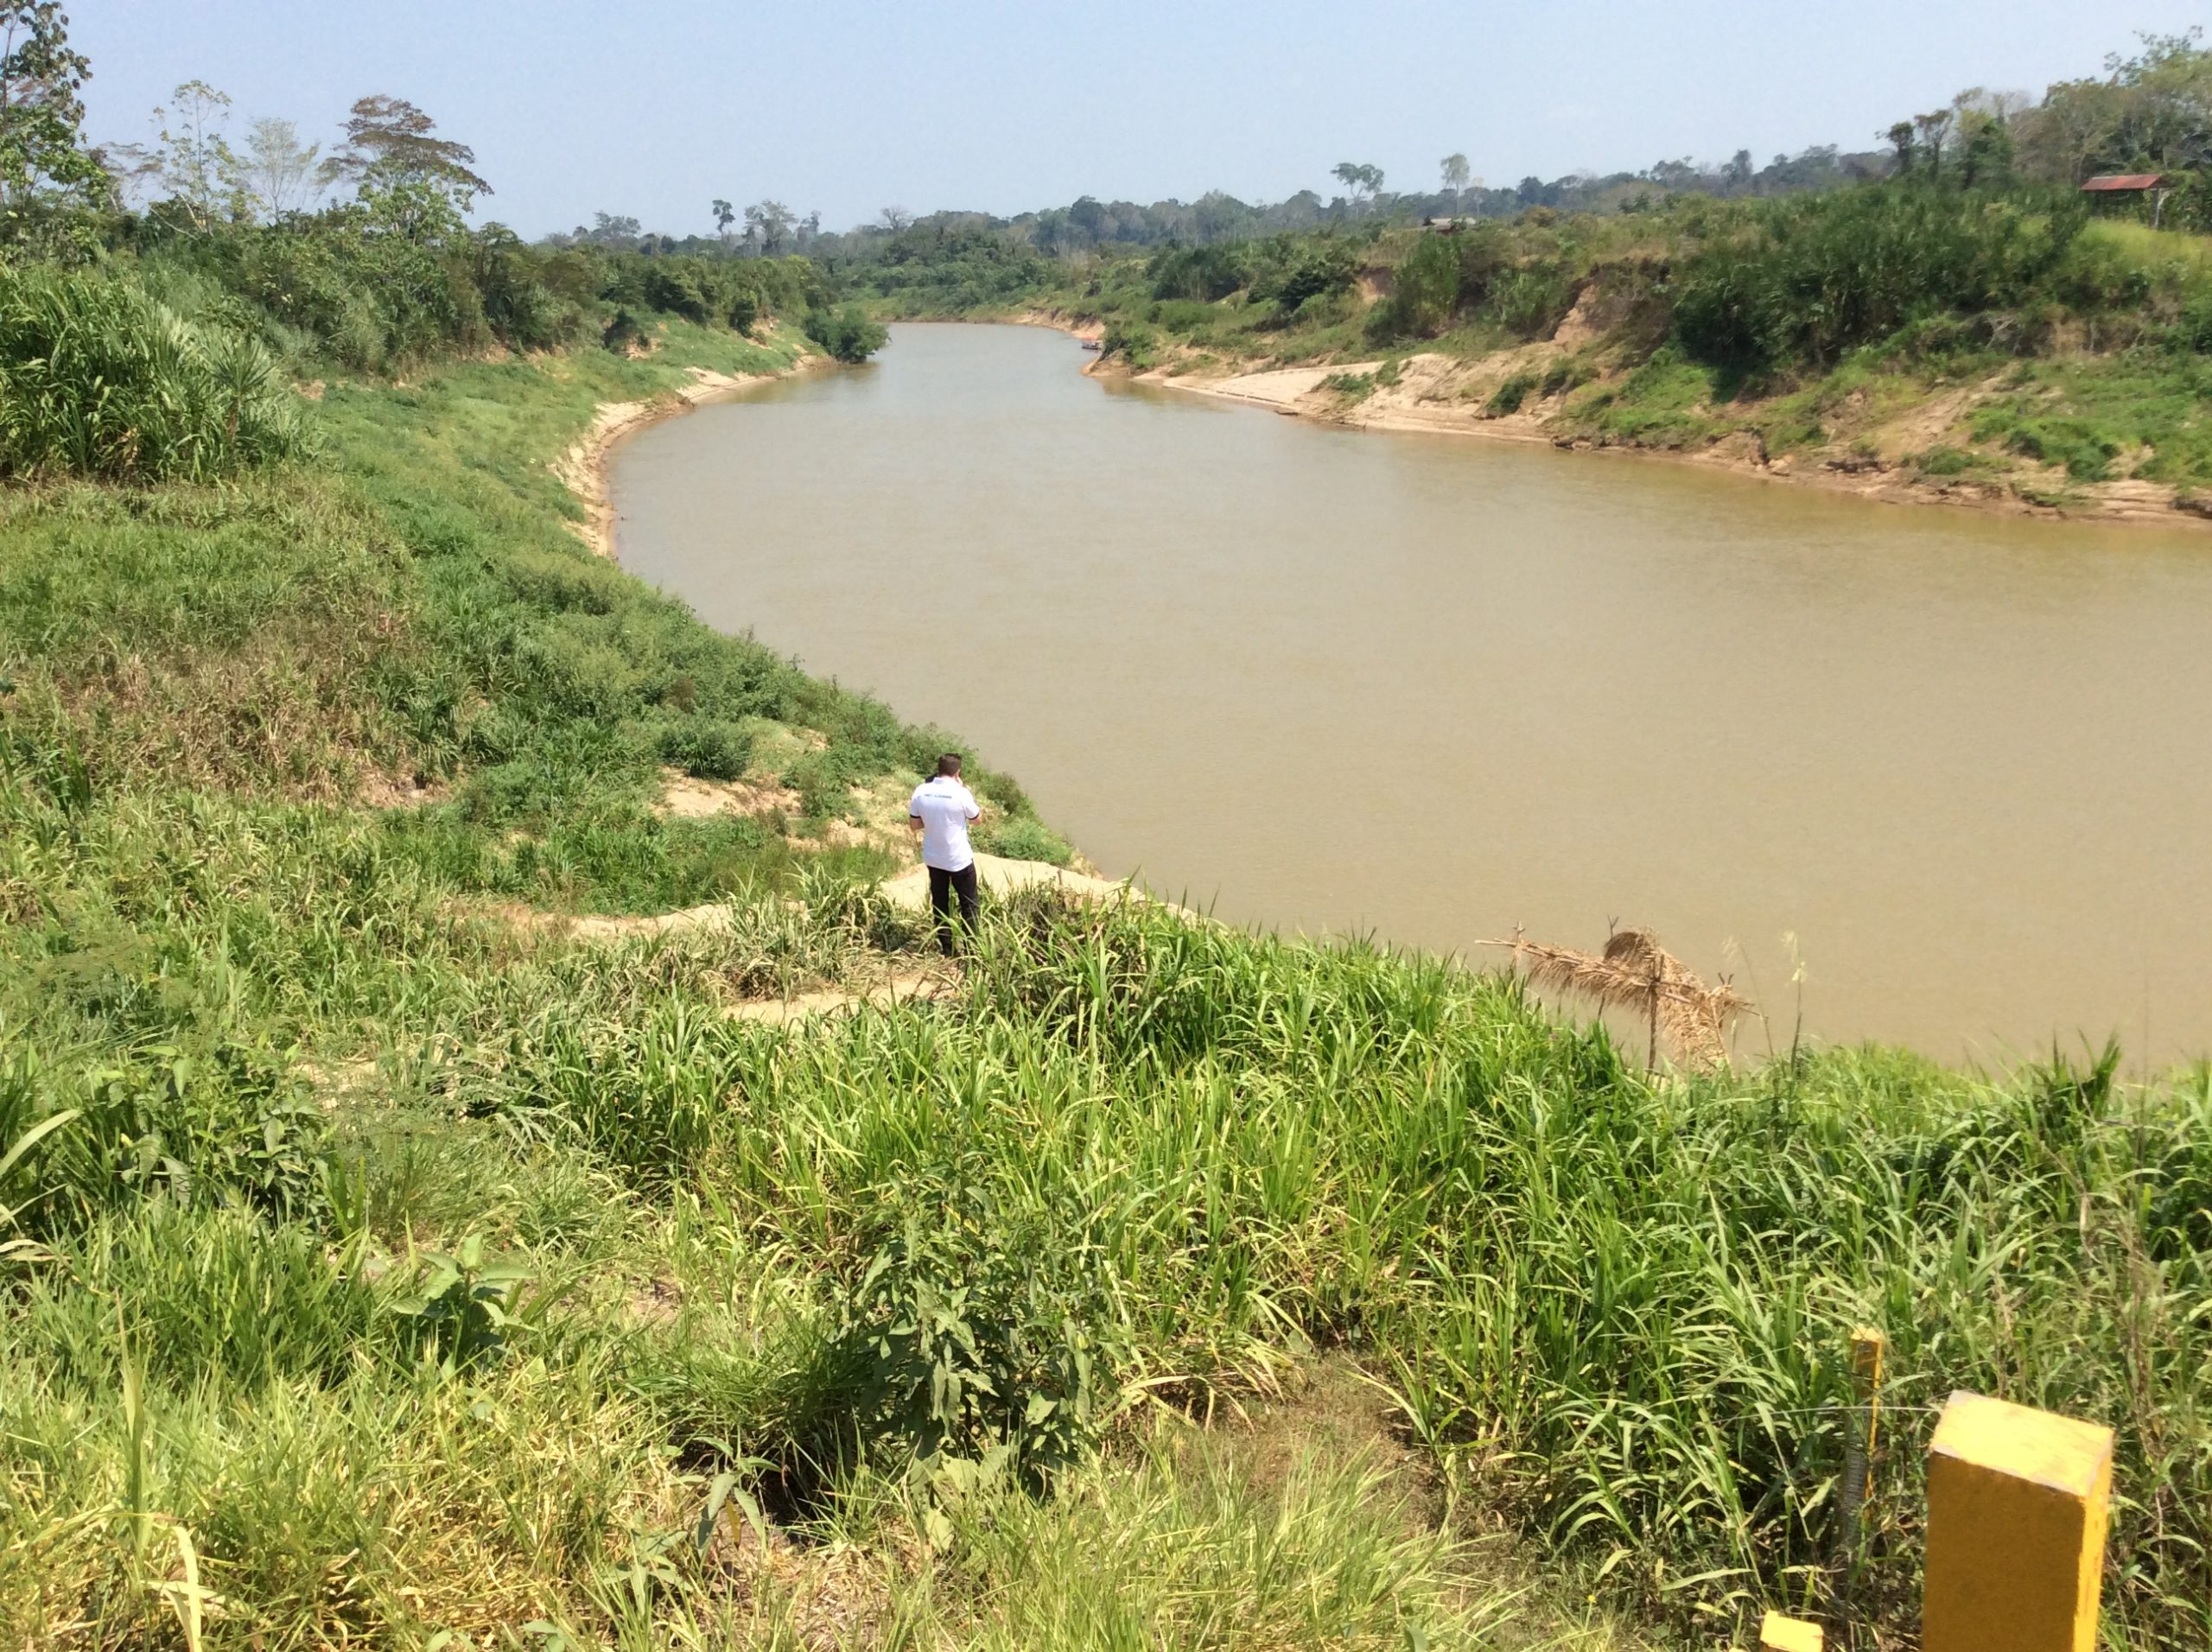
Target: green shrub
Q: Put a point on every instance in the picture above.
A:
(1424, 297)
(983, 1333)
(625, 334)
(1947, 461)
(2083, 448)
(1819, 273)
(97, 379)
(456, 1311)
(1304, 269)
(1206, 274)
(1509, 396)
(708, 748)
(1533, 298)
(846, 334)
(677, 285)
(1028, 839)
(1131, 341)
(197, 1122)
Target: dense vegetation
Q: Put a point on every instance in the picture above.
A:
(2066, 345)
(154, 301)
(386, 1257)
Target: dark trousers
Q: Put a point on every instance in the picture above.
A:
(942, 886)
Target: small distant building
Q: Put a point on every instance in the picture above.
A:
(1444, 225)
(2130, 186)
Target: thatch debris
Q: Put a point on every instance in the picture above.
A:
(1636, 973)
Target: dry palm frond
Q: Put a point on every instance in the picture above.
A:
(1636, 973)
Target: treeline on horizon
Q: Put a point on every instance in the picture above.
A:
(2149, 113)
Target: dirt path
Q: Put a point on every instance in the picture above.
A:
(900, 987)
(1000, 876)
(911, 891)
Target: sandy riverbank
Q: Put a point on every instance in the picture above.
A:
(1435, 394)
(1430, 399)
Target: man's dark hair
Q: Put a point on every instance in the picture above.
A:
(949, 765)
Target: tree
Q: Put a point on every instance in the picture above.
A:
(611, 230)
(897, 219)
(2150, 112)
(392, 139)
(725, 215)
(1933, 128)
(1738, 173)
(194, 159)
(1985, 138)
(41, 116)
(1456, 173)
(768, 226)
(1901, 134)
(279, 171)
(1362, 183)
(846, 333)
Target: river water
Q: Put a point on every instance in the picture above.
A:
(1953, 769)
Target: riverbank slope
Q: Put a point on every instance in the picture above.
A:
(400, 1246)
(1903, 344)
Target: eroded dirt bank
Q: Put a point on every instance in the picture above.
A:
(1877, 441)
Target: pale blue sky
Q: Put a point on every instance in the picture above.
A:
(653, 109)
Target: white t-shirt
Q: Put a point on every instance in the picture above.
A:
(944, 807)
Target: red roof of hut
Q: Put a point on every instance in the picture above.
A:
(2124, 183)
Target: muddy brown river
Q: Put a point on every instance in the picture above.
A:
(1959, 767)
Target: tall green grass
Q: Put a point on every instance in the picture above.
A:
(419, 1270)
(99, 379)
(1611, 1310)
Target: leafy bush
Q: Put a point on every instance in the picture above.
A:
(1028, 839)
(2086, 450)
(458, 1309)
(1819, 274)
(625, 334)
(846, 334)
(1533, 298)
(1304, 268)
(1509, 396)
(194, 1123)
(1133, 341)
(97, 379)
(982, 1333)
(708, 748)
(678, 286)
(1944, 460)
(1426, 296)
(1206, 274)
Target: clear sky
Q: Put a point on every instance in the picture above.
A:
(652, 107)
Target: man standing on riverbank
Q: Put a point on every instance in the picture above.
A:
(940, 811)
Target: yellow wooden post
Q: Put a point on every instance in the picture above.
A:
(2017, 1505)
(1868, 1345)
(1779, 1634)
